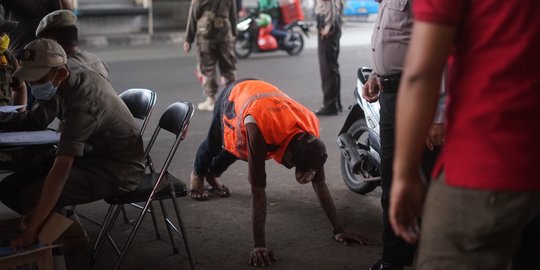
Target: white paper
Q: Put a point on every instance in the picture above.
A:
(29, 137)
(10, 108)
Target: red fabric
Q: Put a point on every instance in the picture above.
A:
(493, 114)
(266, 41)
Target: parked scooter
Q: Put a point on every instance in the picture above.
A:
(252, 38)
(360, 143)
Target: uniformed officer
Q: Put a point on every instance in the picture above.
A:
(329, 22)
(255, 121)
(100, 152)
(12, 90)
(213, 24)
(60, 26)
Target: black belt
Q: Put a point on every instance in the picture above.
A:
(390, 83)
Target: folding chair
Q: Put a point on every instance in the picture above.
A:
(154, 185)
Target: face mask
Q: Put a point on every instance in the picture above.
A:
(4, 43)
(44, 91)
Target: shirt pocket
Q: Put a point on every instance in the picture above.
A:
(396, 15)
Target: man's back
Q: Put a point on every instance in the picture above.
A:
(98, 127)
(85, 60)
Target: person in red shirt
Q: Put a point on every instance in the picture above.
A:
(487, 186)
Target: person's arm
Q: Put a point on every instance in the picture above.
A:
(191, 27)
(233, 14)
(52, 188)
(260, 255)
(327, 203)
(66, 4)
(372, 88)
(329, 16)
(416, 105)
(38, 118)
(436, 131)
(19, 94)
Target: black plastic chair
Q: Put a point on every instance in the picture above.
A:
(140, 103)
(154, 185)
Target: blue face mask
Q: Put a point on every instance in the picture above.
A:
(44, 91)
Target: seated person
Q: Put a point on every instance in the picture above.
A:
(12, 90)
(100, 153)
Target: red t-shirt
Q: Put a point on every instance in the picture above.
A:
(493, 113)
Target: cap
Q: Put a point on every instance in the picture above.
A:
(7, 26)
(55, 19)
(308, 152)
(39, 56)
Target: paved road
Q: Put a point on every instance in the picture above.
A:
(219, 229)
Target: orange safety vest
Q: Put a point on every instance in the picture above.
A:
(278, 118)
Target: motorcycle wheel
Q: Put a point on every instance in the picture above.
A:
(243, 47)
(297, 42)
(357, 182)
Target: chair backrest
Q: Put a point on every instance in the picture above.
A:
(175, 119)
(140, 103)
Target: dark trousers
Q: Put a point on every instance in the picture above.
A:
(211, 157)
(328, 50)
(395, 250)
(527, 254)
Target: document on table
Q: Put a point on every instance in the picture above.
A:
(10, 108)
(29, 137)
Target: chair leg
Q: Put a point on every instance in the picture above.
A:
(100, 238)
(169, 230)
(124, 215)
(154, 221)
(132, 234)
(183, 230)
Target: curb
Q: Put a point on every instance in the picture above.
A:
(104, 41)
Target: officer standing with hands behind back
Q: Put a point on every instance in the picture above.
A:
(329, 32)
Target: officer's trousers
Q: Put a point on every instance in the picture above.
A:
(214, 55)
(328, 50)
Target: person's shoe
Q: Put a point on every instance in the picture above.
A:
(326, 111)
(207, 105)
(380, 265)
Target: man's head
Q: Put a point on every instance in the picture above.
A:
(309, 156)
(44, 66)
(60, 26)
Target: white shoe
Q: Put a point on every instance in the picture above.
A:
(207, 105)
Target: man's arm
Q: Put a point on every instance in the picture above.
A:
(38, 118)
(260, 255)
(417, 102)
(66, 4)
(52, 188)
(327, 203)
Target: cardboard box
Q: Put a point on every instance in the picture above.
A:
(38, 256)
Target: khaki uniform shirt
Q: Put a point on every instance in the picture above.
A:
(85, 60)
(226, 10)
(99, 131)
(391, 36)
(330, 11)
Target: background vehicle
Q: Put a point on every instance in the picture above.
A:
(252, 38)
(359, 142)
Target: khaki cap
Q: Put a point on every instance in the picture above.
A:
(55, 19)
(39, 56)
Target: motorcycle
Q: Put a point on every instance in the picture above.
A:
(359, 142)
(252, 38)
